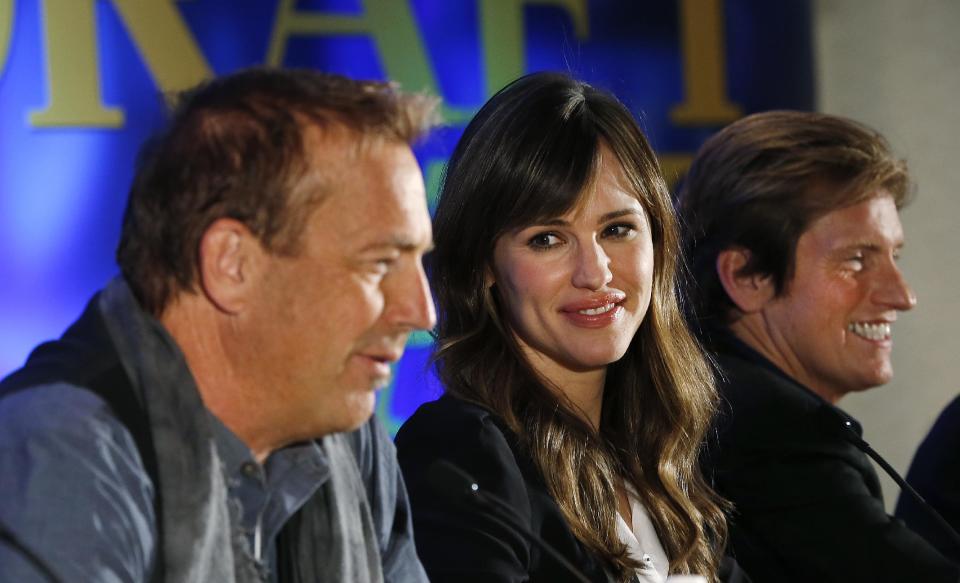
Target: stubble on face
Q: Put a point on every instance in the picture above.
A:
(333, 318)
(831, 330)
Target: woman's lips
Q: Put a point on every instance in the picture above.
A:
(595, 312)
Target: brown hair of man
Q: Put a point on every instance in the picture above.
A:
(235, 148)
(759, 183)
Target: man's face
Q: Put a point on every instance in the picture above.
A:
(328, 322)
(832, 328)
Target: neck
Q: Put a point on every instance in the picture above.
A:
(583, 390)
(203, 337)
(752, 330)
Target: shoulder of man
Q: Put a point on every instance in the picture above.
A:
(766, 421)
(75, 491)
(757, 400)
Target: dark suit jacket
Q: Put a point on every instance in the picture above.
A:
(808, 502)
(462, 542)
(935, 474)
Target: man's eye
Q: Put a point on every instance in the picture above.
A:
(383, 265)
(854, 263)
(544, 241)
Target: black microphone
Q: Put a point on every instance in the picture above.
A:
(458, 486)
(838, 423)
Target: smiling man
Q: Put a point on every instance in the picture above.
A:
(208, 417)
(793, 234)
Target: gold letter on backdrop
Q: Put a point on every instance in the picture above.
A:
(704, 66)
(389, 22)
(156, 28)
(72, 72)
(504, 43)
(6, 31)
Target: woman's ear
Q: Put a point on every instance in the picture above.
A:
(749, 292)
(488, 277)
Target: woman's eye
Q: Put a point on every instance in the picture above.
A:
(619, 231)
(543, 241)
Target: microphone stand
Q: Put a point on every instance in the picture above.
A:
(851, 435)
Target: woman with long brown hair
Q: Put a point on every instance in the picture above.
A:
(574, 390)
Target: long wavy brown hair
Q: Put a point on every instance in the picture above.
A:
(529, 155)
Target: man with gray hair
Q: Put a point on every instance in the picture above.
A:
(208, 417)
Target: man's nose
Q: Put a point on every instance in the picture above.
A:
(592, 268)
(414, 309)
(894, 291)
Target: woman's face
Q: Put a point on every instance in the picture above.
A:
(577, 287)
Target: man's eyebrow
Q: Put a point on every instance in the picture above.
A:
(870, 246)
(399, 242)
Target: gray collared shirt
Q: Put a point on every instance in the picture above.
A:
(264, 497)
(74, 491)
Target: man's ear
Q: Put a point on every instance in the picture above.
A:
(230, 256)
(749, 293)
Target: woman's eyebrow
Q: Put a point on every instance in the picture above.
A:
(620, 213)
(559, 222)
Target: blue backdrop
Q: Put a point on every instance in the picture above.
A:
(82, 84)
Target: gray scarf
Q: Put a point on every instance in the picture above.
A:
(331, 538)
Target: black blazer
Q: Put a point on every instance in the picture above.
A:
(935, 474)
(808, 503)
(462, 543)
